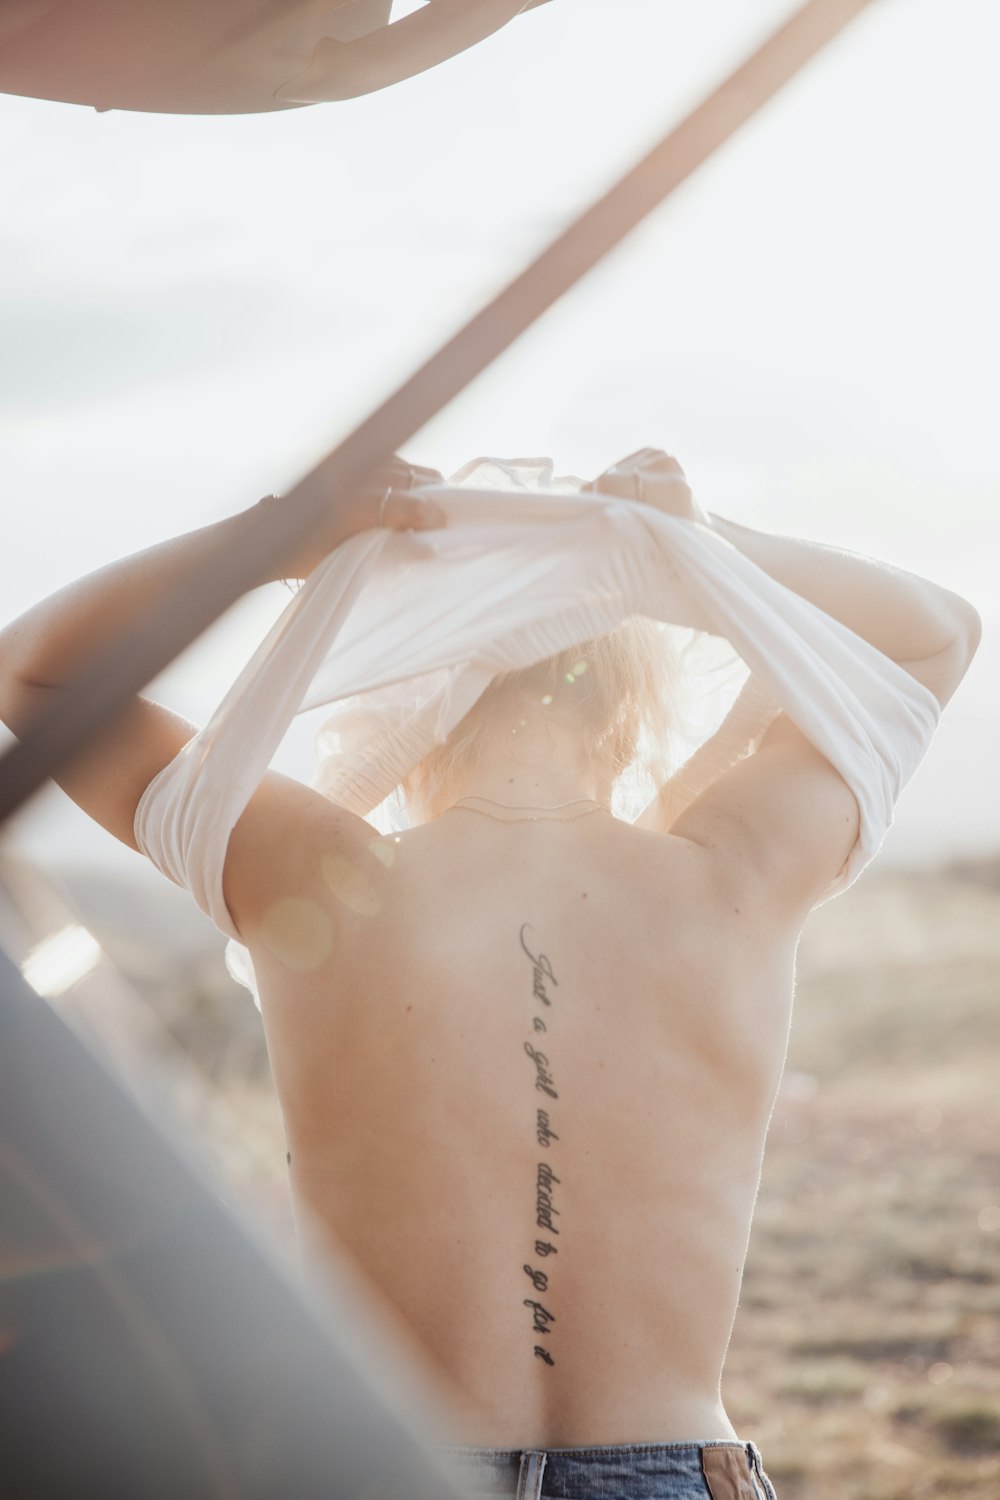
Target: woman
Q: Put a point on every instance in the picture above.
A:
(526, 1052)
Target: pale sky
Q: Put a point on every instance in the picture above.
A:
(192, 310)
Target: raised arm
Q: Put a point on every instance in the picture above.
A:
(782, 818)
(42, 650)
(926, 628)
(784, 821)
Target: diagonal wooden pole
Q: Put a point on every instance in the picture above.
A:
(106, 685)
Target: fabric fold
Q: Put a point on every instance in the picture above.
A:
(399, 633)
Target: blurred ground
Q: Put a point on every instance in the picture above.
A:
(866, 1356)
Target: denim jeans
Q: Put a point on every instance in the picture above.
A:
(626, 1471)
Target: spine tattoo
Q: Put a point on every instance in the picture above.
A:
(545, 1177)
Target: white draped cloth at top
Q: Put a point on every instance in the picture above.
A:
(399, 633)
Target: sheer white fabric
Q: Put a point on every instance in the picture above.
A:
(400, 632)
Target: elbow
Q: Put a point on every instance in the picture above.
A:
(964, 625)
(11, 653)
(19, 693)
(8, 679)
(976, 629)
(970, 631)
(942, 672)
(968, 634)
(18, 668)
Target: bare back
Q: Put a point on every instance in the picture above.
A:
(527, 1088)
(526, 1069)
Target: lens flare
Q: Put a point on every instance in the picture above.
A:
(57, 962)
(298, 933)
(352, 887)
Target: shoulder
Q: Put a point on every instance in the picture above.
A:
(291, 844)
(778, 826)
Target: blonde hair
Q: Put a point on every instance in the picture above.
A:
(617, 690)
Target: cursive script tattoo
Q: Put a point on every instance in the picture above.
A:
(541, 1314)
(539, 1279)
(544, 1208)
(542, 975)
(541, 969)
(543, 1078)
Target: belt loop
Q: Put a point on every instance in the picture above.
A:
(529, 1479)
(756, 1463)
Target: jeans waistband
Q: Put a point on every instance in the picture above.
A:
(725, 1469)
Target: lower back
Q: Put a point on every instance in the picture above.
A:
(530, 1101)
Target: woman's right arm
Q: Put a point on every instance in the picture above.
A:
(926, 628)
(41, 652)
(781, 821)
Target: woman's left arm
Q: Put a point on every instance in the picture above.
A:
(41, 651)
(908, 618)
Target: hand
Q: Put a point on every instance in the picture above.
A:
(384, 501)
(651, 477)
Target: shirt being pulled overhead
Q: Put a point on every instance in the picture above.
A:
(400, 633)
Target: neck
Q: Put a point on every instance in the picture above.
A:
(536, 792)
(526, 782)
(502, 812)
(548, 781)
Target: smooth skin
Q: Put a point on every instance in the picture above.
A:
(402, 978)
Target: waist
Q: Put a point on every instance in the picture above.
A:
(727, 1469)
